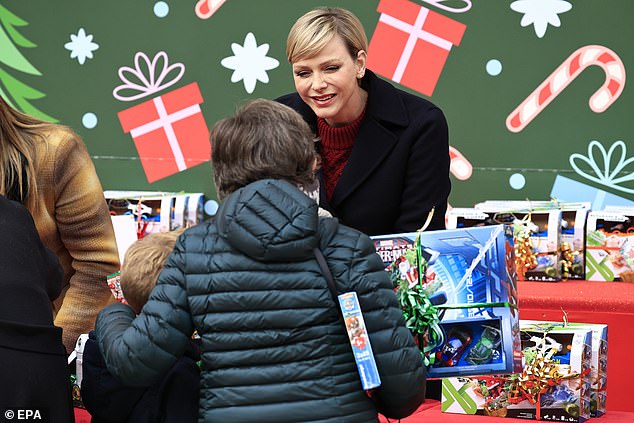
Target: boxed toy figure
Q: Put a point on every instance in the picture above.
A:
(610, 246)
(599, 373)
(461, 301)
(554, 384)
(537, 232)
(572, 243)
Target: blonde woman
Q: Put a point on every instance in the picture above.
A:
(47, 168)
(385, 152)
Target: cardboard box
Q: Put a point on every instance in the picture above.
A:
(471, 277)
(599, 373)
(540, 228)
(572, 238)
(157, 211)
(553, 386)
(610, 246)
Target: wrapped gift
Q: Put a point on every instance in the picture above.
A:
(458, 292)
(599, 373)
(411, 44)
(610, 245)
(554, 384)
(169, 131)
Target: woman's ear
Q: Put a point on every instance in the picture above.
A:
(360, 62)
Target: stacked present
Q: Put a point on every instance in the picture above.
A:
(458, 292)
(137, 213)
(563, 377)
(549, 236)
(610, 245)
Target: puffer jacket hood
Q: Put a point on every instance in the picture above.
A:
(269, 220)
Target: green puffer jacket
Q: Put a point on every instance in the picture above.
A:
(274, 345)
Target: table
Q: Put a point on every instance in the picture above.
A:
(430, 412)
(611, 303)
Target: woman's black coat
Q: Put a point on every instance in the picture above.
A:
(399, 166)
(34, 371)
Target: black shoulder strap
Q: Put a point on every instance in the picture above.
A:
(321, 260)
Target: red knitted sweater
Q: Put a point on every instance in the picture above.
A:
(335, 147)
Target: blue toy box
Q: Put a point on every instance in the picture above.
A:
(470, 279)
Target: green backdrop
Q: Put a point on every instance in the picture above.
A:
(507, 50)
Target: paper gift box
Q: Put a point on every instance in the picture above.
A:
(411, 44)
(472, 270)
(610, 246)
(554, 384)
(169, 131)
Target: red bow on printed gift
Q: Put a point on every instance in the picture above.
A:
(169, 131)
(411, 44)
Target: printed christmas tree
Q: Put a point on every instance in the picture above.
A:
(18, 94)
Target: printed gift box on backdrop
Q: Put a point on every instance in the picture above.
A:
(595, 168)
(411, 44)
(554, 384)
(169, 131)
(461, 301)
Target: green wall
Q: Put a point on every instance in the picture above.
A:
(38, 74)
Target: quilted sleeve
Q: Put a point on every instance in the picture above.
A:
(399, 361)
(139, 350)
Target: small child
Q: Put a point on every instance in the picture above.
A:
(174, 398)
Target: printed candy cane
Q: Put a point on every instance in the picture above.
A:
(206, 8)
(459, 166)
(564, 75)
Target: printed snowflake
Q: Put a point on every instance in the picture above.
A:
(540, 13)
(249, 63)
(81, 46)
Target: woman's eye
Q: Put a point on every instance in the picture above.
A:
(332, 68)
(301, 74)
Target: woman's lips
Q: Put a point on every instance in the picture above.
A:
(323, 100)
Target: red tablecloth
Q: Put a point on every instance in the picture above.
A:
(430, 412)
(611, 303)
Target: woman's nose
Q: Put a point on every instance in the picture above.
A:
(319, 82)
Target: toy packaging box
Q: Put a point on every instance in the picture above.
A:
(599, 373)
(610, 245)
(554, 384)
(572, 239)
(537, 232)
(468, 289)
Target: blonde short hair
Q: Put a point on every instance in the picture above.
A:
(143, 263)
(312, 31)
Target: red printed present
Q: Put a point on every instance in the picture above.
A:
(169, 131)
(411, 44)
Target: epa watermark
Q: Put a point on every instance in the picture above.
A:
(24, 415)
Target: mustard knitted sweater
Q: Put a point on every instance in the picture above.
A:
(73, 221)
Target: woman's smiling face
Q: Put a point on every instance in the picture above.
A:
(328, 83)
